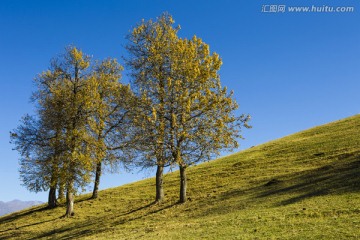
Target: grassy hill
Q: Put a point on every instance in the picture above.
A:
(303, 186)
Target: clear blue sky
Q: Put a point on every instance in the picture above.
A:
(290, 71)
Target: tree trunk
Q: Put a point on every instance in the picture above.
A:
(52, 197)
(69, 203)
(61, 194)
(97, 180)
(52, 203)
(182, 184)
(159, 184)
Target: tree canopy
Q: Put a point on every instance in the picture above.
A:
(190, 116)
(79, 123)
(175, 112)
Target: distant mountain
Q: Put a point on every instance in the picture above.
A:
(16, 205)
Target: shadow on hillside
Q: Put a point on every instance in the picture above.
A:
(341, 177)
(24, 226)
(16, 216)
(9, 232)
(97, 225)
(123, 221)
(82, 229)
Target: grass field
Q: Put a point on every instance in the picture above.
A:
(303, 186)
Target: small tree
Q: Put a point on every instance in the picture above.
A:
(39, 161)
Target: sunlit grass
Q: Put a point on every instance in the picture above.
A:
(304, 186)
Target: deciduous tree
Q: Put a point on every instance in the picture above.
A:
(202, 118)
(191, 117)
(38, 162)
(84, 117)
(110, 120)
(149, 49)
(57, 146)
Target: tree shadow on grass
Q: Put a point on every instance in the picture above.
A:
(342, 176)
(82, 229)
(338, 178)
(16, 231)
(139, 209)
(26, 225)
(9, 233)
(97, 225)
(17, 215)
(151, 212)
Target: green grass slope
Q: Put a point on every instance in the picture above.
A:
(303, 186)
